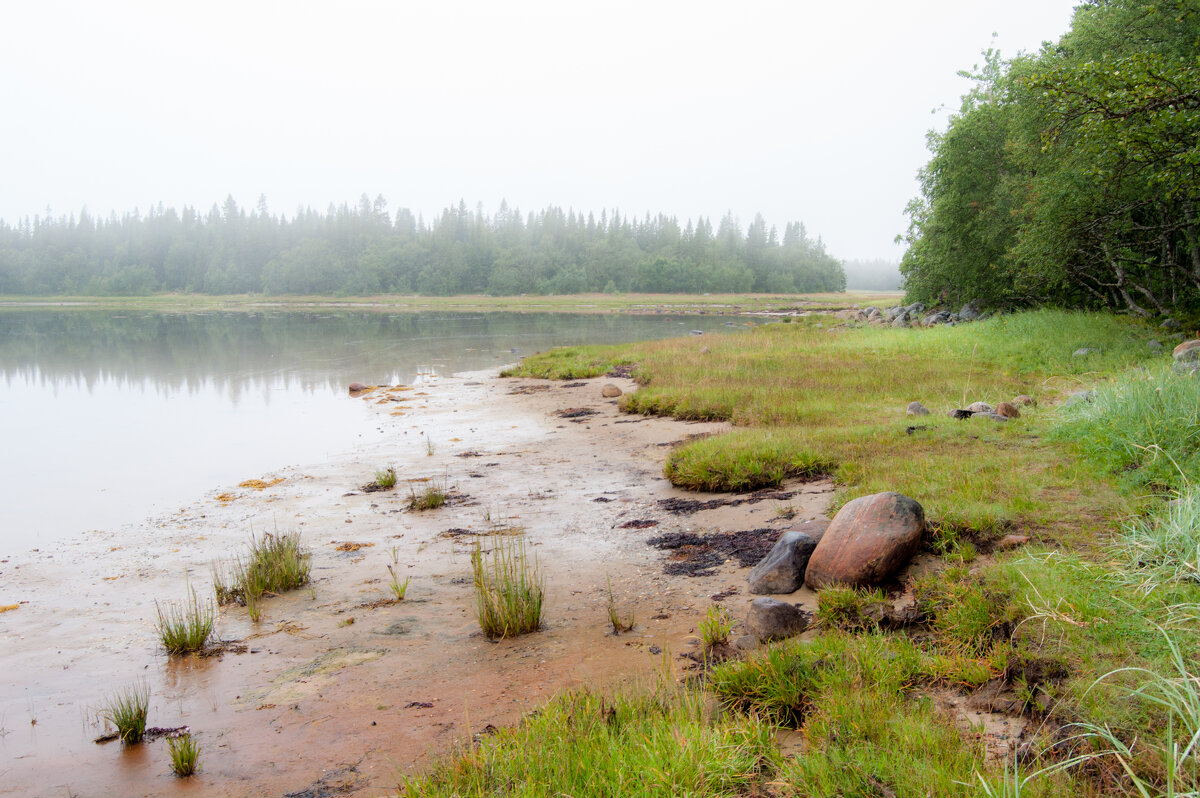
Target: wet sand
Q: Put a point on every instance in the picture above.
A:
(340, 691)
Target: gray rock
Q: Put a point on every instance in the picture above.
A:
(933, 319)
(782, 570)
(1187, 368)
(916, 409)
(770, 619)
(892, 312)
(991, 416)
(1169, 324)
(981, 407)
(1085, 351)
(968, 312)
(900, 321)
(916, 307)
(872, 311)
(1154, 346)
(1187, 352)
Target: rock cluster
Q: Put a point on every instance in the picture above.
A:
(868, 540)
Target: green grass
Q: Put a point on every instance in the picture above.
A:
(185, 755)
(807, 400)
(509, 589)
(127, 711)
(398, 586)
(583, 744)
(715, 627)
(431, 497)
(386, 478)
(275, 563)
(185, 627)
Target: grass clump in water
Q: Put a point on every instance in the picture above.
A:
(276, 563)
(127, 711)
(185, 627)
(715, 627)
(185, 754)
(509, 589)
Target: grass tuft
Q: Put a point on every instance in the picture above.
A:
(432, 497)
(186, 626)
(1164, 549)
(127, 711)
(185, 755)
(274, 564)
(395, 584)
(620, 622)
(509, 589)
(715, 627)
(385, 478)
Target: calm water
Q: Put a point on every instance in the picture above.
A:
(108, 417)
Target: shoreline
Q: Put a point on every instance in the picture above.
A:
(267, 720)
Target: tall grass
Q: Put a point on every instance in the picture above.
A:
(1164, 549)
(274, 564)
(186, 626)
(509, 589)
(127, 711)
(1145, 426)
(185, 755)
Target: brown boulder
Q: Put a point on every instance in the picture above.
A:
(868, 540)
(1008, 410)
(358, 387)
(610, 391)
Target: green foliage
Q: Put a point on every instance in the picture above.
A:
(185, 755)
(1070, 175)
(715, 627)
(431, 497)
(386, 478)
(186, 626)
(398, 586)
(126, 711)
(742, 462)
(509, 589)
(849, 609)
(585, 745)
(367, 250)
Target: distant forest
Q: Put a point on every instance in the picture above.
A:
(368, 250)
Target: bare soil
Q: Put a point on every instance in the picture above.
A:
(339, 689)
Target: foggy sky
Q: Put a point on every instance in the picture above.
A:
(812, 111)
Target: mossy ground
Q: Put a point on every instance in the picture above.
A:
(1054, 627)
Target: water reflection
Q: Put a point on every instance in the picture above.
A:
(131, 413)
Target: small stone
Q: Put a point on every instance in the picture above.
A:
(704, 350)
(1024, 400)
(1084, 351)
(358, 387)
(1008, 410)
(745, 643)
(770, 619)
(981, 407)
(991, 416)
(1169, 324)
(1011, 542)
(917, 409)
(610, 391)
(1154, 346)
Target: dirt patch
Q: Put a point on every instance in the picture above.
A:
(625, 371)
(638, 523)
(351, 546)
(576, 413)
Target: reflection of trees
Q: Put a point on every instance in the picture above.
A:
(240, 352)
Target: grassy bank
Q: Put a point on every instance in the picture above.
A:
(571, 303)
(1088, 633)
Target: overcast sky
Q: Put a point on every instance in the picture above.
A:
(811, 111)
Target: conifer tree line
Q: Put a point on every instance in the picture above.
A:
(1071, 176)
(368, 250)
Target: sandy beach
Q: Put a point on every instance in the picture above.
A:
(340, 690)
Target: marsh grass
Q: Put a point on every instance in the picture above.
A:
(398, 586)
(715, 627)
(658, 744)
(509, 589)
(431, 497)
(186, 626)
(385, 478)
(274, 564)
(620, 622)
(127, 711)
(185, 754)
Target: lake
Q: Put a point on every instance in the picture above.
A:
(109, 417)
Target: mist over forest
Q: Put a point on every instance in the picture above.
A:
(365, 249)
